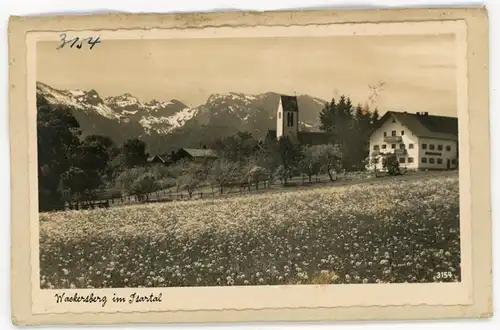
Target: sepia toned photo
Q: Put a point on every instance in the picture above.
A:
(214, 162)
(306, 166)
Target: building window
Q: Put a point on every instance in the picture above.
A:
(431, 161)
(375, 160)
(290, 119)
(410, 159)
(385, 134)
(440, 147)
(440, 161)
(394, 120)
(453, 161)
(424, 146)
(393, 146)
(431, 147)
(393, 133)
(384, 146)
(375, 147)
(448, 148)
(410, 146)
(402, 133)
(402, 160)
(424, 160)
(402, 146)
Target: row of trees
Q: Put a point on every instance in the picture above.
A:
(243, 162)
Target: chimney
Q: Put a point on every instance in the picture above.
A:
(418, 113)
(426, 113)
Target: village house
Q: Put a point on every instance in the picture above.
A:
(420, 141)
(156, 159)
(197, 155)
(287, 124)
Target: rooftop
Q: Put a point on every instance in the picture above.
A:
(424, 125)
(201, 152)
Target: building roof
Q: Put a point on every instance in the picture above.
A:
(424, 125)
(308, 138)
(200, 152)
(152, 158)
(289, 103)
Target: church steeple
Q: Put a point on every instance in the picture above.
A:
(287, 117)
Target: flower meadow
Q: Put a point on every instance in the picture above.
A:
(384, 232)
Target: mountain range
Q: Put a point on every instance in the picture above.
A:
(168, 125)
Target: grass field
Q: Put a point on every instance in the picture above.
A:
(388, 231)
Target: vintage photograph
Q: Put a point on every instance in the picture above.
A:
(247, 161)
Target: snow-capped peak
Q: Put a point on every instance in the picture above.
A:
(123, 101)
(158, 116)
(155, 105)
(78, 99)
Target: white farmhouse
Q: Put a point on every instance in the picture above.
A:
(420, 141)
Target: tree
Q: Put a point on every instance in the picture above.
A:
(350, 128)
(134, 153)
(91, 165)
(336, 118)
(290, 154)
(58, 141)
(329, 157)
(391, 164)
(237, 147)
(144, 185)
(104, 141)
(252, 173)
(328, 116)
(268, 157)
(373, 163)
(310, 163)
(93, 157)
(126, 179)
(375, 116)
(104, 151)
(166, 183)
(222, 172)
(190, 176)
(81, 184)
(160, 171)
(362, 126)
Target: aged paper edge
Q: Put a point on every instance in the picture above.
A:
(477, 63)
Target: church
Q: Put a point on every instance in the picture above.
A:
(287, 124)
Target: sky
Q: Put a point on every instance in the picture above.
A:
(417, 72)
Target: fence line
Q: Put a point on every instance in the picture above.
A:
(228, 189)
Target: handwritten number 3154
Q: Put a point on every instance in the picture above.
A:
(78, 42)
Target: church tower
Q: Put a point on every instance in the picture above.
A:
(287, 117)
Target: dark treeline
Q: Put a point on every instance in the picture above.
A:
(350, 127)
(73, 168)
(67, 162)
